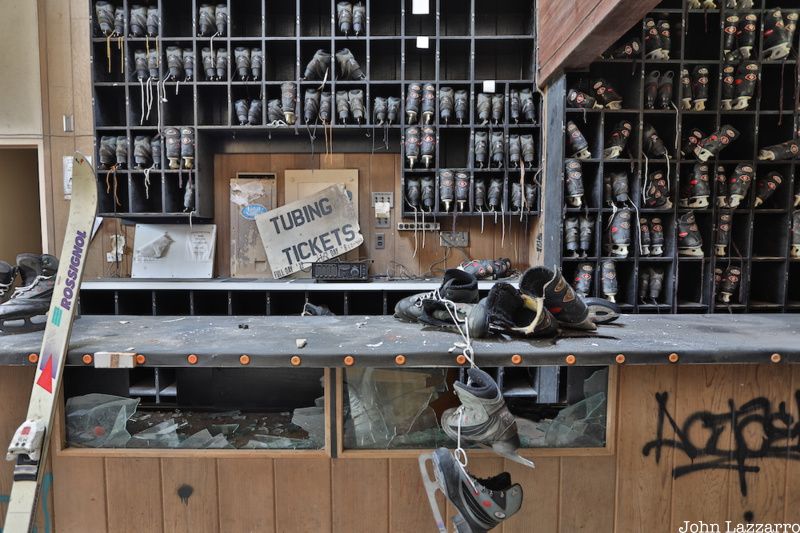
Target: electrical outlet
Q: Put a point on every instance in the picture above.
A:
(387, 197)
(380, 241)
(419, 226)
(454, 239)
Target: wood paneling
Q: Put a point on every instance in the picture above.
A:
(133, 493)
(360, 494)
(82, 506)
(302, 495)
(189, 495)
(251, 510)
(587, 494)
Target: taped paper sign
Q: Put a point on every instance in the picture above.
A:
(316, 228)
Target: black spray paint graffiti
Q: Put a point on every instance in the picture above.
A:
(779, 430)
(184, 493)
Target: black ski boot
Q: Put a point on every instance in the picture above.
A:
(480, 194)
(712, 145)
(652, 40)
(122, 152)
(618, 139)
(745, 84)
(686, 90)
(665, 90)
(559, 298)
(222, 64)
(206, 20)
(776, 39)
(495, 194)
(461, 106)
(221, 19)
(446, 104)
(480, 153)
(514, 151)
(766, 186)
(627, 50)
(355, 98)
(138, 21)
(344, 17)
(462, 191)
(606, 95)
(730, 27)
(107, 153)
(514, 106)
(729, 284)
(32, 297)
(412, 193)
(796, 234)
(379, 110)
(104, 12)
(746, 36)
(428, 194)
(413, 102)
(119, 22)
(573, 182)
(528, 149)
(241, 56)
(8, 274)
(188, 64)
(664, 38)
(428, 103)
(483, 108)
(656, 237)
(585, 235)
(721, 186)
(319, 66)
(498, 149)
(256, 63)
(153, 21)
(255, 112)
(571, 236)
(530, 196)
(187, 147)
(498, 108)
(740, 184)
(644, 237)
(172, 145)
(516, 197)
(447, 184)
(644, 284)
(722, 236)
(700, 87)
(652, 143)
(528, 107)
(392, 109)
(412, 142)
(289, 101)
(343, 107)
(209, 64)
(690, 242)
(580, 100)
(275, 113)
(615, 185)
(325, 107)
(140, 65)
(311, 106)
(349, 69)
(728, 86)
(780, 152)
(427, 148)
(143, 152)
(651, 89)
(359, 18)
(577, 146)
(619, 233)
(582, 282)
(609, 280)
(697, 191)
(656, 284)
(240, 107)
(175, 63)
(457, 286)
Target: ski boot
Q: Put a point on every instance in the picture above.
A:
(495, 194)
(619, 233)
(319, 66)
(240, 108)
(514, 151)
(690, 242)
(606, 95)
(32, 298)
(461, 106)
(780, 152)
(241, 56)
(481, 146)
(573, 182)
(664, 38)
(142, 152)
(359, 18)
(121, 152)
(790, 23)
(155, 149)
(696, 193)
(514, 106)
(188, 64)
(289, 101)
(729, 284)
(796, 234)
(745, 84)
(8, 274)
(104, 12)
(571, 232)
(175, 63)
(665, 90)
(652, 143)
(483, 108)
(644, 237)
(516, 197)
(513, 312)
(326, 107)
(428, 103)
(766, 186)
(627, 50)
(651, 89)
(528, 149)
(256, 63)
(355, 98)
(560, 300)
(446, 104)
(208, 64)
(413, 102)
(428, 194)
(206, 20)
(487, 268)
(740, 184)
(221, 62)
(618, 140)
(712, 145)
(343, 107)
(700, 87)
(776, 39)
(692, 141)
(582, 282)
(730, 28)
(657, 193)
(722, 237)
(447, 185)
(609, 280)
(498, 108)
(580, 100)
(656, 237)
(585, 234)
(153, 21)
(746, 36)
(457, 286)
(379, 110)
(652, 40)
(656, 284)
(349, 69)
(528, 107)
(275, 113)
(462, 190)
(427, 148)
(138, 21)
(255, 112)
(412, 143)
(392, 109)
(686, 90)
(728, 87)
(721, 187)
(498, 149)
(412, 193)
(221, 19)
(530, 196)
(107, 153)
(344, 17)
(311, 106)
(187, 147)
(577, 146)
(480, 194)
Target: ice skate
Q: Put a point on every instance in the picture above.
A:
(721, 186)
(428, 194)
(319, 67)
(664, 38)
(153, 21)
(739, 184)
(690, 241)
(275, 113)
(746, 36)
(585, 234)
(729, 284)
(392, 109)
(686, 90)
(657, 193)
(446, 104)
(447, 183)
(609, 280)
(577, 146)
(776, 39)
(698, 190)
(137, 21)
(619, 233)
(515, 197)
(221, 19)
(644, 237)
(206, 20)
(580, 100)
(413, 102)
(780, 152)
(325, 107)
(142, 152)
(745, 85)
(412, 142)
(359, 18)
(254, 112)
(8, 274)
(187, 55)
(495, 194)
(311, 106)
(606, 95)
(528, 150)
(559, 298)
(355, 97)
(122, 152)
(528, 106)
(571, 226)
(344, 17)
(514, 151)
(256, 63)
(652, 42)
(656, 237)
(32, 297)
(573, 182)
(462, 190)
(514, 105)
(730, 28)
(289, 101)
(512, 312)
(349, 68)
(652, 144)
(428, 104)
(221, 64)
(498, 108)
(766, 186)
(582, 282)
(483, 108)
(498, 149)
(728, 87)
(656, 284)
(187, 147)
(722, 236)
(618, 140)
(712, 145)
(699, 87)
(457, 286)
(480, 152)
(665, 89)
(241, 56)
(427, 147)
(343, 107)
(461, 106)
(627, 50)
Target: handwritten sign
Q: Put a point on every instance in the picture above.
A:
(313, 229)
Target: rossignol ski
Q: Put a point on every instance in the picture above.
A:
(29, 445)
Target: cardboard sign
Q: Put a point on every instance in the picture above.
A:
(316, 228)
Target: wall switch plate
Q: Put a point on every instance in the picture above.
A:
(418, 226)
(387, 197)
(380, 241)
(454, 239)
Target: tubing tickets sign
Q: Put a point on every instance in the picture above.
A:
(314, 229)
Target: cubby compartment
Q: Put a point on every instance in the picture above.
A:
(145, 192)
(691, 281)
(768, 90)
(793, 287)
(592, 177)
(135, 303)
(668, 227)
(250, 94)
(454, 62)
(385, 61)
(280, 19)
(246, 18)
(771, 234)
(590, 126)
(358, 47)
(174, 191)
(176, 18)
(144, 109)
(366, 304)
(280, 305)
(384, 18)
(503, 59)
(454, 18)
(109, 62)
(109, 106)
(705, 223)
(333, 300)
(767, 283)
(248, 303)
(283, 53)
(623, 79)
(419, 24)
(209, 303)
(665, 126)
(503, 17)
(113, 192)
(179, 108)
(645, 270)
(167, 302)
(97, 302)
(740, 235)
(703, 36)
(453, 148)
(420, 62)
(673, 53)
(315, 18)
(245, 75)
(212, 105)
(773, 129)
(626, 282)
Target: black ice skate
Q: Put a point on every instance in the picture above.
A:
(728, 87)
(172, 146)
(275, 113)
(412, 141)
(712, 145)
(462, 190)
(608, 280)
(495, 194)
(481, 147)
(780, 152)
(142, 152)
(664, 38)
(528, 154)
(175, 63)
(656, 237)
(618, 140)
(343, 107)
(514, 151)
(657, 193)
(122, 152)
(651, 89)
(513, 312)
(619, 233)
(686, 90)
(498, 149)
(582, 282)
(221, 62)
(498, 107)
(580, 100)
(571, 231)
(137, 21)
(319, 67)
(528, 107)
(255, 112)
(744, 84)
(256, 63)
(428, 103)
(241, 56)
(620, 191)
(585, 234)
(652, 144)
(413, 102)
(644, 237)
(344, 17)
(739, 184)
(577, 146)
(530, 196)
(427, 147)
(153, 21)
(188, 64)
(776, 39)
(514, 105)
(480, 194)
(746, 36)
(392, 109)
(606, 95)
(446, 104)
(221, 19)
(700, 87)
(104, 12)
(722, 236)
(349, 68)
(206, 20)
(652, 41)
(209, 66)
(107, 152)
(240, 107)
(656, 284)
(729, 284)
(412, 193)
(311, 106)
(355, 97)
(428, 194)
(359, 18)
(379, 110)
(32, 297)
(690, 242)
(665, 89)
(796, 234)
(289, 101)
(721, 186)
(516, 197)
(559, 298)
(187, 147)
(155, 149)
(483, 108)
(573, 182)
(8, 274)
(698, 189)
(627, 50)
(766, 186)
(461, 106)
(730, 27)
(457, 286)
(447, 184)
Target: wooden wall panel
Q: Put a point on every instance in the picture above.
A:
(408, 505)
(792, 510)
(133, 494)
(302, 495)
(189, 495)
(540, 487)
(251, 510)
(82, 506)
(360, 495)
(587, 494)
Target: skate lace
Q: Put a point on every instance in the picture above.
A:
(19, 291)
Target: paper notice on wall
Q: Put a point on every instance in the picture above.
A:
(316, 228)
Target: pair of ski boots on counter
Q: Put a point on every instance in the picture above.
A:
(31, 297)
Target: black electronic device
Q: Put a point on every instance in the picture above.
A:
(343, 271)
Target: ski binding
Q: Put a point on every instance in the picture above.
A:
(27, 441)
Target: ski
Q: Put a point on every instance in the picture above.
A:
(30, 443)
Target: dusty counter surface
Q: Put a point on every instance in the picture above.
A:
(220, 341)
